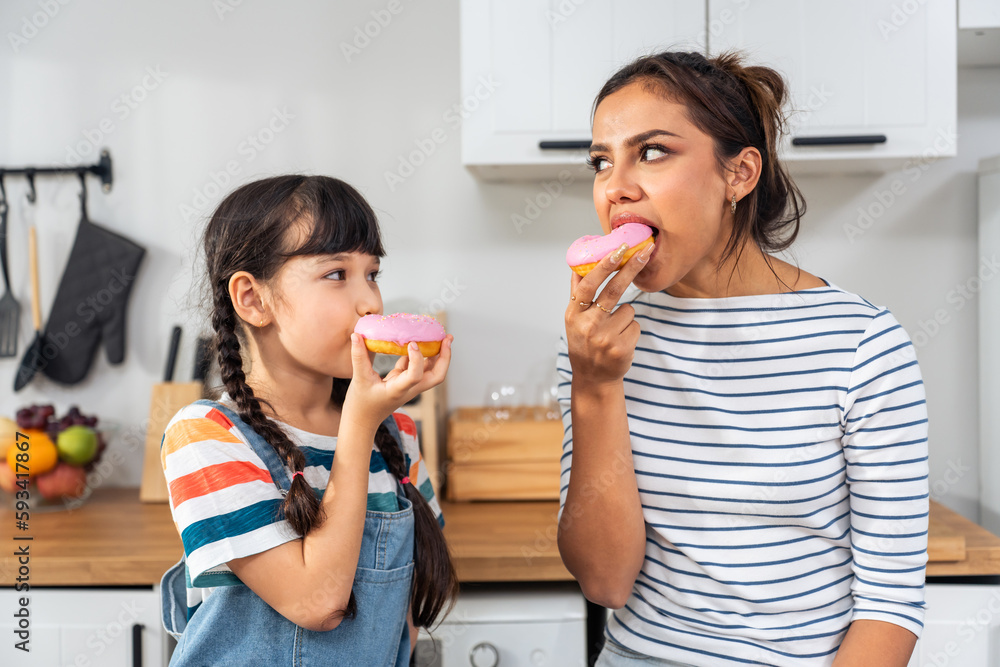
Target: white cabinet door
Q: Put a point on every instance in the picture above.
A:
(83, 627)
(532, 68)
(962, 627)
(856, 69)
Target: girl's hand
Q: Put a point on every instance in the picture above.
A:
(602, 343)
(370, 399)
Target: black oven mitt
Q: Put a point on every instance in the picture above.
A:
(90, 304)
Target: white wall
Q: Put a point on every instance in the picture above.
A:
(225, 75)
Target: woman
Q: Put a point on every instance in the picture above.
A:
(745, 468)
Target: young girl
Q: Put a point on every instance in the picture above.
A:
(745, 477)
(310, 529)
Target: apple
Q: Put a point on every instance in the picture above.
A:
(77, 445)
(63, 481)
(8, 479)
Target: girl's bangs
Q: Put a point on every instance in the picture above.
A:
(341, 220)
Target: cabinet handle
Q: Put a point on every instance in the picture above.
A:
(137, 645)
(563, 145)
(845, 140)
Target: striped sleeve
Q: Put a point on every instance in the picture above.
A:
(885, 447)
(563, 395)
(222, 497)
(415, 462)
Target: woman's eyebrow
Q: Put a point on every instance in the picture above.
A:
(636, 140)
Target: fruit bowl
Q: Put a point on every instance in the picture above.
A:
(48, 457)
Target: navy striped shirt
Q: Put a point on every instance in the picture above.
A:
(780, 448)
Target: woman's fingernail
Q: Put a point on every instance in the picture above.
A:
(643, 256)
(615, 258)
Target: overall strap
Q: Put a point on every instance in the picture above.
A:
(260, 446)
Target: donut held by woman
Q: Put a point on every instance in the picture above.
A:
(587, 251)
(391, 334)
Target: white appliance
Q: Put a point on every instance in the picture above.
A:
(529, 626)
(989, 349)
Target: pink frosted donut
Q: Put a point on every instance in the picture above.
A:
(587, 251)
(390, 334)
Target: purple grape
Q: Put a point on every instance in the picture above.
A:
(46, 411)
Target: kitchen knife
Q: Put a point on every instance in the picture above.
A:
(175, 339)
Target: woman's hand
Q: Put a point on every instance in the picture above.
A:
(370, 398)
(602, 343)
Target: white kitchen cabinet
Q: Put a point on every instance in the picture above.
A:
(84, 627)
(962, 627)
(873, 82)
(856, 69)
(534, 625)
(978, 33)
(532, 68)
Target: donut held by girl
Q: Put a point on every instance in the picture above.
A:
(587, 251)
(390, 334)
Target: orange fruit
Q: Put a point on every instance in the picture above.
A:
(41, 451)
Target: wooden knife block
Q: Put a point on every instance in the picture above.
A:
(167, 399)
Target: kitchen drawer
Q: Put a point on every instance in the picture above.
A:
(537, 480)
(85, 626)
(472, 439)
(541, 626)
(514, 459)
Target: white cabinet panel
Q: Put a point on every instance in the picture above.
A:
(83, 626)
(962, 627)
(549, 59)
(856, 67)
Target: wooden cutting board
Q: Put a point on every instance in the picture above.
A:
(167, 399)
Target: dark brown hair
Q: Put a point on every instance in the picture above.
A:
(249, 232)
(738, 106)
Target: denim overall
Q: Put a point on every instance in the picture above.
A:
(236, 627)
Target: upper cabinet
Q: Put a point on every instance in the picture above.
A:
(872, 82)
(858, 70)
(531, 70)
(979, 33)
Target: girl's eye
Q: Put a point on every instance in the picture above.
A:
(652, 152)
(374, 276)
(597, 163)
(336, 275)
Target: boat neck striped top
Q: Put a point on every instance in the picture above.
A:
(225, 504)
(780, 448)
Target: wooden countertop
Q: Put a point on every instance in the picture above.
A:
(115, 540)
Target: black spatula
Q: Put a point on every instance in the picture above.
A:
(32, 359)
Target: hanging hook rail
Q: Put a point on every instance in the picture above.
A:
(102, 170)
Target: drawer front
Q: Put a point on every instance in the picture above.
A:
(537, 480)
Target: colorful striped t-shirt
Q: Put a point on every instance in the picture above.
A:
(225, 504)
(780, 447)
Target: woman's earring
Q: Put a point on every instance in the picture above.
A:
(734, 203)
(261, 322)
